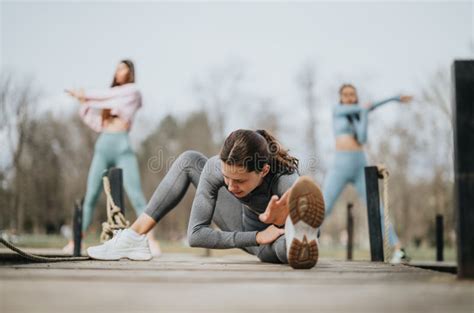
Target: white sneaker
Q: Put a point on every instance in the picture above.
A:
(301, 227)
(399, 256)
(124, 244)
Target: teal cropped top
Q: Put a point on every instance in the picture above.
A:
(351, 119)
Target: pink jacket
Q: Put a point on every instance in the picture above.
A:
(123, 101)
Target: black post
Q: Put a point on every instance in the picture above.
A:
(350, 230)
(463, 131)
(439, 238)
(373, 213)
(116, 187)
(77, 227)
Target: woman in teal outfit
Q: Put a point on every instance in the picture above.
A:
(111, 111)
(350, 121)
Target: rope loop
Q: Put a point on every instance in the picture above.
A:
(115, 218)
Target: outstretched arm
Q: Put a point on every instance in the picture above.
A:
(108, 93)
(102, 94)
(400, 98)
(105, 104)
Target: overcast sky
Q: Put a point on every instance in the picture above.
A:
(384, 47)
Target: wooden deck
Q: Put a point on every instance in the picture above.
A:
(234, 283)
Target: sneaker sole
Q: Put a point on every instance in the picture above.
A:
(131, 256)
(307, 214)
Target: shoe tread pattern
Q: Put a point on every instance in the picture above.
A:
(306, 203)
(303, 254)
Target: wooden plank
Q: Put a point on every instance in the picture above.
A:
(192, 283)
(445, 267)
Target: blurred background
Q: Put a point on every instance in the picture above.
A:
(207, 68)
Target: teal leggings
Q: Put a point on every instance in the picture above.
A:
(348, 168)
(113, 149)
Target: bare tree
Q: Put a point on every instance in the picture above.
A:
(160, 149)
(306, 81)
(18, 98)
(218, 94)
(418, 153)
(439, 142)
(436, 93)
(266, 117)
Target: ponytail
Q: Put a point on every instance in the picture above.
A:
(280, 158)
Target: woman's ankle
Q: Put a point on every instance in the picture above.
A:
(143, 224)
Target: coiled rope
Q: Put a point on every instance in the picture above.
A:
(115, 218)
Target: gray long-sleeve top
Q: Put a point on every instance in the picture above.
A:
(200, 234)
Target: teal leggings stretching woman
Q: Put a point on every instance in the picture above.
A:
(350, 121)
(111, 112)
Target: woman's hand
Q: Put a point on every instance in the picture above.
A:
(269, 235)
(367, 105)
(70, 92)
(277, 210)
(406, 98)
(78, 94)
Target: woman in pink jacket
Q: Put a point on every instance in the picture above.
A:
(111, 111)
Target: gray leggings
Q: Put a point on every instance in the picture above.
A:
(228, 212)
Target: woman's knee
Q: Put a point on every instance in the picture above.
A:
(189, 157)
(192, 162)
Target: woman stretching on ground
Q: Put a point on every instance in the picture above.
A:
(111, 112)
(252, 192)
(350, 128)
